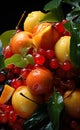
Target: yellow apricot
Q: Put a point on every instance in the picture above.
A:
(72, 103)
(62, 48)
(22, 105)
(32, 19)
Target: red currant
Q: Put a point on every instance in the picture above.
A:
(66, 66)
(16, 83)
(39, 59)
(54, 64)
(7, 52)
(50, 54)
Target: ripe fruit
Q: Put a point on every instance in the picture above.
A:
(62, 48)
(45, 36)
(23, 106)
(21, 40)
(39, 81)
(32, 19)
(72, 103)
(6, 94)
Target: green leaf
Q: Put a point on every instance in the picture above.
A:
(74, 3)
(50, 17)
(5, 37)
(1, 61)
(74, 14)
(74, 43)
(38, 119)
(55, 8)
(54, 4)
(17, 60)
(55, 107)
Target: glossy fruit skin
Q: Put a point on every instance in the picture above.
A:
(45, 35)
(32, 19)
(72, 103)
(62, 48)
(19, 41)
(40, 81)
(23, 106)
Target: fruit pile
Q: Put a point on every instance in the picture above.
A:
(38, 72)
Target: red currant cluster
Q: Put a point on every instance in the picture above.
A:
(8, 116)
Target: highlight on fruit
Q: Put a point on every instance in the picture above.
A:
(40, 71)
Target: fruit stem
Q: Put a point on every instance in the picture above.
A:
(23, 14)
(70, 93)
(29, 99)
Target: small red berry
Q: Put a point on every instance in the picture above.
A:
(66, 66)
(39, 59)
(54, 64)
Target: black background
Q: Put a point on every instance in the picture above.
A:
(11, 11)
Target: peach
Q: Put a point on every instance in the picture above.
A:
(45, 36)
(20, 41)
(40, 81)
(23, 106)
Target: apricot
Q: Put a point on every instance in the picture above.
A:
(20, 41)
(32, 19)
(72, 103)
(23, 106)
(45, 35)
(6, 93)
(62, 48)
(40, 81)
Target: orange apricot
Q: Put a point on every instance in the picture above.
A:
(40, 81)
(6, 93)
(45, 35)
(20, 41)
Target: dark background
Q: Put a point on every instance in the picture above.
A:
(11, 11)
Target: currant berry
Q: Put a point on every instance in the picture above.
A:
(3, 118)
(54, 64)
(41, 51)
(39, 59)
(16, 83)
(24, 72)
(50, 54)
(7, 52)
(60, 28)
(66, 66)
